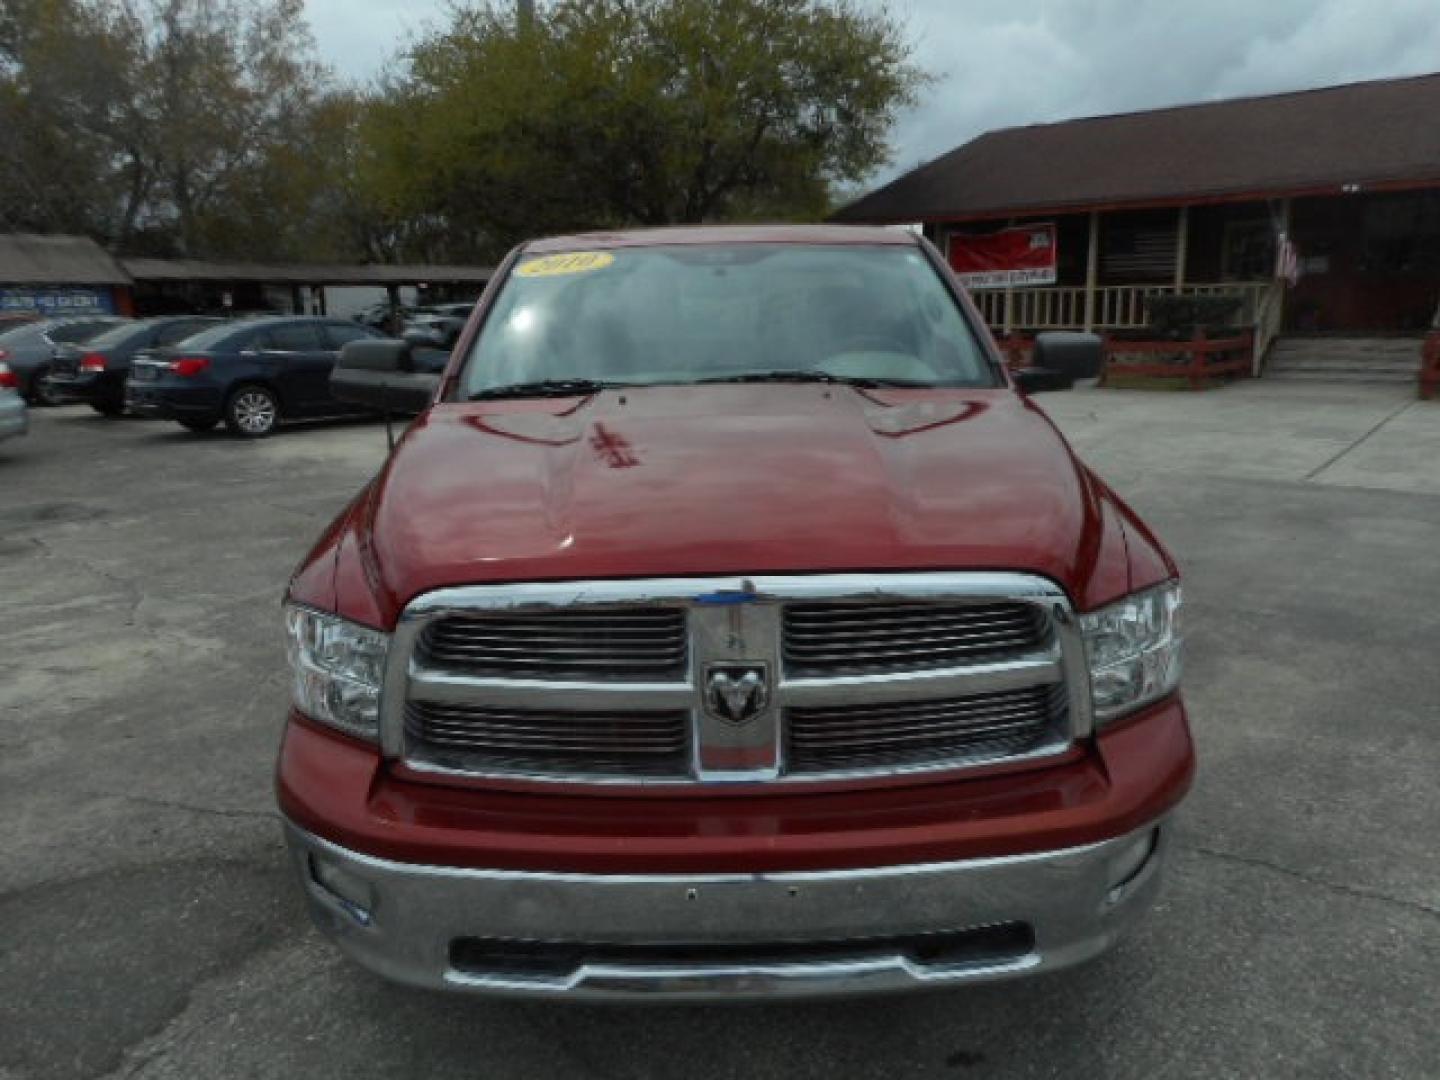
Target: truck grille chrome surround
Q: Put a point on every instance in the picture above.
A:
(701, 680)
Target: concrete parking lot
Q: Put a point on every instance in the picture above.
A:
(149, 927)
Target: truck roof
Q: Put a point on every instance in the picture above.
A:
(725, 234)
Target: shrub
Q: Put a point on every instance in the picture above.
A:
(1181, 316)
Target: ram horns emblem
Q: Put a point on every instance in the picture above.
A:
(736, 693)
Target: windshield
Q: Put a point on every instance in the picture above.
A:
(683, 314)
(21, 334)
(117, 335)
(214, 336)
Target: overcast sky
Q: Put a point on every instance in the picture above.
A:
(1005, 62)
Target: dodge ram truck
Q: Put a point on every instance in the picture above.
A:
(729, 623)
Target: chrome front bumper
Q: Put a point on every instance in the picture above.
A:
(831, 932)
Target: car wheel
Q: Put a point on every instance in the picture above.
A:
(200, 425)
(252, 412)
(40, 392)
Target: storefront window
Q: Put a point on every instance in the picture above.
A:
(1401, 235)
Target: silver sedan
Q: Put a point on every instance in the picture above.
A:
(14, 418)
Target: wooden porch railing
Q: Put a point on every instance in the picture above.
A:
(1269, 310)
(1117, 307)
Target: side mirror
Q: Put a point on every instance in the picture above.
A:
(381, 374)
(1059, 359)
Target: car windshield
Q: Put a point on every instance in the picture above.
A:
(690, 313)
(212, 336)
(25, 332)
(117, 335)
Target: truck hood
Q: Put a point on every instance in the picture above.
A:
(732, 479)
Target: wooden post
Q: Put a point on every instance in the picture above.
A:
(1197, 359)
(1285, 287)
(1092, 269)
(1009, 320)
(1182, 246)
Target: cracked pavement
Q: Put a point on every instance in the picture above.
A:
(149, 927)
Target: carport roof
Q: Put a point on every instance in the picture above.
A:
(303, 273)
(1376, 135)
(33, 259)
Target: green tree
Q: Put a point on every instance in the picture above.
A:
(71, 159)
(634, 112)
(193, 127)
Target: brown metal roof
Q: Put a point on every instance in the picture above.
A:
(303, 273)
(32, 259)
(1375, 134)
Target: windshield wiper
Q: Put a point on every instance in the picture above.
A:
(803, 376)
(542, 388)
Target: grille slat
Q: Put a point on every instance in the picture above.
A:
(981, 725)
(923, 616)
(650, 735)
(871, 741)
(848, 732)
(848, 638)
(612, 644)
(587, 744)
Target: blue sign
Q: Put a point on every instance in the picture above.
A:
(58, 301)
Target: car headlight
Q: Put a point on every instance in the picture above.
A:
(337, 668)
(1134, 650)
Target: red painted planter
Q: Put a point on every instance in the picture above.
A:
(1430, 365)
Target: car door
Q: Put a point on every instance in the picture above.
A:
(296, 355)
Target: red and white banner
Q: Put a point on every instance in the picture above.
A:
(1021, 255)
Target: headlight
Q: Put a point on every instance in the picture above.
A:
(337, 668)
(1134, 650)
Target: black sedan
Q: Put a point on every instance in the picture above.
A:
(250, 373)
(94, 372)
(29, 348)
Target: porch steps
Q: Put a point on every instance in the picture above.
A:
(1300, 358)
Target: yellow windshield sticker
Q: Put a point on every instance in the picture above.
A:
(575, 262)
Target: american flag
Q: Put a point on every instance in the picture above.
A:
(1287, 260)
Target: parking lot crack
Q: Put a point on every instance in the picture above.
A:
(184, 807)
(1358, 442)
(1298, 875)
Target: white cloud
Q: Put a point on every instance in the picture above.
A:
(1005, 62)
(359, 37)
(1033, 61)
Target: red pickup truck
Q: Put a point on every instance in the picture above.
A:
(730, 623)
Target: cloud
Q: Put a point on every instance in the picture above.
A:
(359, 37)
(1003, 64)
(1000, 63)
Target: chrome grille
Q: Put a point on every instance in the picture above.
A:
(610, 644)
(643, 681)
(856, 637)
(980, 726)
(473, 738)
